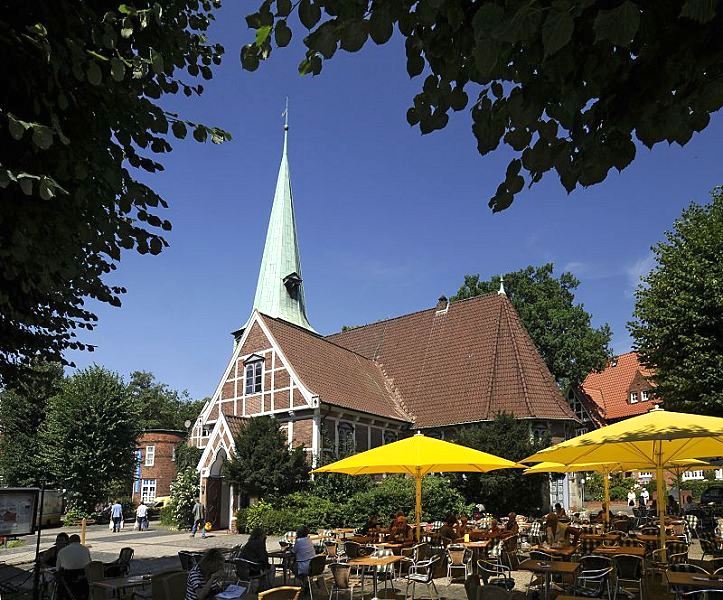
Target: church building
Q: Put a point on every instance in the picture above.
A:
(435, 370)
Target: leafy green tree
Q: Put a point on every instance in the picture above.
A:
(507, 489)
(264, 464)
(678, 326)
(551, 80)
(22, 411)
(561, 330)
(184, 491)
(187, 456)
(89, 436)
(333, 486)
(160, 407)
(81, 126)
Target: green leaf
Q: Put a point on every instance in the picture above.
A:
(488, 18)
(42, 136)
(458, 98)
(701, 11)
(309, 13)
(17, 128)
(117, 69)
(283, 8)
(26, 185)
(380, 25)
(126, 10)
(157, 12)
(282, 34)
(249, 58)
(200, 133)
(262, 34)
(415, 63)
(557, 31)
(94, 74)
(46, 189)
(619, 25)
(179, 129)
(354, 35)
(157, 62)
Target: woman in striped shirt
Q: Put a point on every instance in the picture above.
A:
(205, 578)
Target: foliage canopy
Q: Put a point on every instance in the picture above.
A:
(561, 330)
(263, 464)
(159, 406)
(678, 327)
(567, 85)
(88, 439)
(80, 122)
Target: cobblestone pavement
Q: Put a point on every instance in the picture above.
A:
(157, 550)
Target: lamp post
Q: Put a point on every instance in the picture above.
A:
(36, 574)
(582, 482)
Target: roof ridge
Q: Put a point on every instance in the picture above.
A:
(493, 365)
(415, 312)
(395, 393)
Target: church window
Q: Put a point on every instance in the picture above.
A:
(254, 376)
(346, 438)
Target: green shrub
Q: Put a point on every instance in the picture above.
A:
(167, 516)
(184, 491)
(242, 520)
(73, 516)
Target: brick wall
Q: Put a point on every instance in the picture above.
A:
(164, 465)
(303, 431)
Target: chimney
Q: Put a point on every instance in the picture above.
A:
(442, 305)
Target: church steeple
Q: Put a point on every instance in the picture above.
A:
(280, 288)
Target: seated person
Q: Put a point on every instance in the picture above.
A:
(560, 511)
(600, 516)
(551, 526)
(205, 580)
(74, 556)
(672, 506)
(495, 528)
(512, 526)
(448, 531)
(689, 504)
(399, 530)
(303, 550)
(50, 556)
(255, 551)
(462, 527)
(372, 524)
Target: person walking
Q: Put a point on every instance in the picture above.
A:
(116, 514)
(142, 516)
(199, 515)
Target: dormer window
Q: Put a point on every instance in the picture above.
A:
(254, 374)
(644, 396)
(633, 397)
(292, 283)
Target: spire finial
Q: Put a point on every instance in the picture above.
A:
(501, 291)
(286, 115)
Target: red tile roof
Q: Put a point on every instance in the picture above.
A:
(464, 365)
(338, 375)
(610, 389)
(234, 424)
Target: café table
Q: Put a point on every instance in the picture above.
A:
(699, 581)
(605, 537)
(344, 531)
(653, 539)
(615, 550)
(564, 552)
(548, 569)
(374, 562)
(284, 561)
(118, 587)
(477, 548)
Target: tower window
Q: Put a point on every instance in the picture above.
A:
(254, 376)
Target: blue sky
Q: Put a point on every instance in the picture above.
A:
(388, 219)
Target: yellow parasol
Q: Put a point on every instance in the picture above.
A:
(659, 438)
(417, 456)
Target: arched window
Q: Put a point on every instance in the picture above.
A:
(254, 374)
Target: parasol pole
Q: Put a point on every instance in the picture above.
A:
(606, 499)
(659, 479)
(418, 503)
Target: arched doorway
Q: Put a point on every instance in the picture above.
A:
(217, 493)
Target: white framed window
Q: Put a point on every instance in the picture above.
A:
(150, 456)
(692, 475)
(719, 474)
(347, 440)
(148, 490)
(254, 373)
(644, 396)
(633, 397)
(645, 475)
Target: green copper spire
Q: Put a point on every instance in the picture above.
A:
(280, 289)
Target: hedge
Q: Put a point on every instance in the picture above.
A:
(385, 498)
